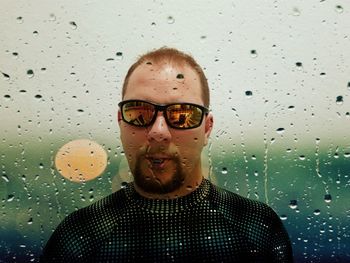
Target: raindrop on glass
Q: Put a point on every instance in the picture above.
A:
(170, 20)
(253, 53)
(249, 93)
(15, 54)
(30, 221)
(339, 9)
(293, 204)
(5, 177)
(180, 76)
(302, 157)
(35, 33)
(280, 130)
(283, 217)
(123, 185)
(19, 19)
(73, 25)
(299, 65)
(296, 11)
(349, 85)
(10, 198)
(317, 212)
(224, 170)
(119, 55)
(327, 198)
(6, 76)
(30, 73)
(38, 96)
(52, 17)
(339, 100)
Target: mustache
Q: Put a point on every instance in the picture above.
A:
(168, 151)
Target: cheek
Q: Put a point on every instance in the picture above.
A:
(189, 144)
(132, 140)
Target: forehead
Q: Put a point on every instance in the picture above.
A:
(164, 82)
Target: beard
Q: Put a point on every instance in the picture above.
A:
(152, 185)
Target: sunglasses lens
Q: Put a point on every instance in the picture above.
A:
(138, 113)
(184, 116)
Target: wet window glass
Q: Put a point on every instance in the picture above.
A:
(279, 79)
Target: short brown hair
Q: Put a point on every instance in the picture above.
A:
(173, 56)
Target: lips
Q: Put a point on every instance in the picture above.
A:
(158, 161)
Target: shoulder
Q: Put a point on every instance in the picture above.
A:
(236, 206)
(81, 231)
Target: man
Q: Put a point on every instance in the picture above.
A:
(170, 213)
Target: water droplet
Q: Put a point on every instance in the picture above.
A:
(180, 76)
(339, 100)
(8, 97)
(6, 76)
(123, 185)
(349, 85)
(10, 198)
(280, 130)
(299, 65)
(19, 19)
(249, 93)
(38, 96)
(52, 17)
(302, 157)
(291, 108)
(170, 20)
(296, 11)
(283, 217)
(327, 198)
(317, 212)
(30, 73)
(30, 221)
(224, 170)
(119, 55)
(189, 188)
(253, 53)
(293, 204)
(73, 25)
(15, 54)
(339, 9)
(35, 33)
(5, 177)
(347, 154)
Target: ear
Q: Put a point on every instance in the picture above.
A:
(209, 122)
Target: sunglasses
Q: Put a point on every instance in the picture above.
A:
(177, 115)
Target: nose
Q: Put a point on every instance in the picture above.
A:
(159, 130)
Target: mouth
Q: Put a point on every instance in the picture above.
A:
(156, 162)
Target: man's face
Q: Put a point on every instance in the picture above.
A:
(163, 159)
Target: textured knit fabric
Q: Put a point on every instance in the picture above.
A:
(208, 225)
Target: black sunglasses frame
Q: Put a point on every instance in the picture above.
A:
(163, 108)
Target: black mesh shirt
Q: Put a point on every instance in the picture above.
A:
(208, 225)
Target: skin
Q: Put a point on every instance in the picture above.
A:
(182, 172)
